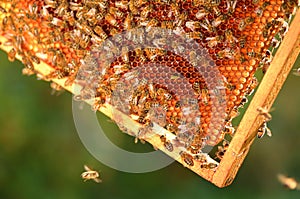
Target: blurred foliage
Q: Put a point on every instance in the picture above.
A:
(41, 155)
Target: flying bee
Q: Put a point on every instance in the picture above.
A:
(90, 174)
(296, 71)
(262, 130)
(265, 113)
(288, 182)
(187, 158)
(111, 20)
(167, 144)
(213, 41)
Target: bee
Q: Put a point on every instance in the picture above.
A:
(213, 41)
(192, 25)
(243, 23)
(288, 182)
(231, 4)
(128, 22)
(201, 13)
(85, 28)
(116, 12)
(222, 149)
(232, 114)
(152, 53)
(195, 35)
(61, 9)
(181, 18)
(243, 101)
(227, 52)
(75, 6)
(146, 11)
(111, 20)
(252, 86)
(100, 32)
(209, 166)
(265, 113)
(174, 10)
(275, 44)
(187, 158)
(51, 3)
(90, 174)
(296, 72)
(262, 130)
(12, 55)
(152, 23)
(220, 19)
(167, 144)
(171, 128)
(230, 39)
(242, 42)
(122, 4)
(133, 9)
(206, 25)
(69, 17)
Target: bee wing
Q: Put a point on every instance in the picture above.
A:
(87, 168)
(98, 180)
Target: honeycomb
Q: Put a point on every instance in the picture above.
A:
(186, 65)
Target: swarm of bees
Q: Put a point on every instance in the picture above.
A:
(232, 37)
(90, 174)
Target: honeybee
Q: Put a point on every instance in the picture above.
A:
(230, 39)
(111, 20)
(262, 130)
(192, 25)
(265, 113)
(201, 13)
(195, 35)
(122, 4)
(288, 182)
(116, 12)
(231, 4)
(296, 71)
(213, 41)
(209, 165)
(51, 3)
(206, 25)
(128, 22)
(90, 174)
(99, 31)
(187, 158)
(245, 22)
(146, 11)
(172, 128)
(167, 144)
(133, 9)
(242, 42)
(227, 52)
(181, 18)
(12, 54)
(174, 10)
(220, 19)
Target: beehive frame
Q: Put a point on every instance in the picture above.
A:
(269, 88)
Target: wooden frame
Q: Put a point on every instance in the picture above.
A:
(266, 93)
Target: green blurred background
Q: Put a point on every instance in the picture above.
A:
(41, 155)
